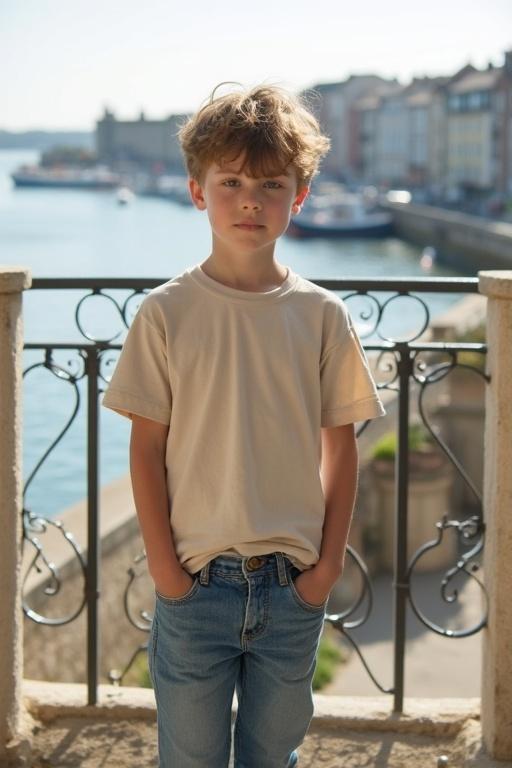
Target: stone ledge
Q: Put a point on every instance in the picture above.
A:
(449, 216)
(47, 701)
(433, 717)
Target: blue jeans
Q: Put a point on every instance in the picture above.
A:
(241, 625)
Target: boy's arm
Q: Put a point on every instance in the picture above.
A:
(339, 471)
(148, 475)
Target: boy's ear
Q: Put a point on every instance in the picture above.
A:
(299, 200)
(196, 193)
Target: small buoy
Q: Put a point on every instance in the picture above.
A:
(428, 257)
(124, 195)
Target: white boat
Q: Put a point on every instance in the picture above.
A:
(341, 214)
(172, 187)
(65, 178)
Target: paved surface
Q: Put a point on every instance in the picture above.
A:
(78, 743)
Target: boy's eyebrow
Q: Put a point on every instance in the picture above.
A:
(225, 169)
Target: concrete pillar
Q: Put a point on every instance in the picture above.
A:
(13, 280)
(496, 646)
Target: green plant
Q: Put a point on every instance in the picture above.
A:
(475, 335)
(329, 657)
(420, 440)
(139, 672)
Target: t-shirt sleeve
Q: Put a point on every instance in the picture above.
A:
(348, 391)
(140, 383)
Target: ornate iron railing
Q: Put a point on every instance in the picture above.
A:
(402, 366)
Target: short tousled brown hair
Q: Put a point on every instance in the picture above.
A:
(270, 125)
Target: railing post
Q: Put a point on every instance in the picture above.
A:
(13, 281)
(401, 521)
(93, 527)
(496, 645)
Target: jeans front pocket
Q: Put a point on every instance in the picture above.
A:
(292, 575)
(184, 598)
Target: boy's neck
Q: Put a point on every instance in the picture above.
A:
(250, 275)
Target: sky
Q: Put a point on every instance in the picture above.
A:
(63, 61)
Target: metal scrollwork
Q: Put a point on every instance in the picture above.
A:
(36, 524)
(53, 584)
(367, 319)
(107, 360)
(436, 374)
(123, 310)
(373, 317)
(342, 622)
(472, 528)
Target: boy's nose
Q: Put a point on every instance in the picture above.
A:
(253, 205)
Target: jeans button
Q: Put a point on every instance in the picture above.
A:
(253, 563)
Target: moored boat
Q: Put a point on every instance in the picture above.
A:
(65, 178)
(341, 214)
(172, 187)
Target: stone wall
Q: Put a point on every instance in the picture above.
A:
(468, 243)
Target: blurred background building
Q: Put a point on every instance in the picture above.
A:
(450, 135)
(152, 144)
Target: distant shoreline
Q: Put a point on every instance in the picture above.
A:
(41, 140)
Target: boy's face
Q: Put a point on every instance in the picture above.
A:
(246, 215)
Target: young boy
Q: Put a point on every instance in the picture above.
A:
(243, 382)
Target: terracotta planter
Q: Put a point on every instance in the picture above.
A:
(421, 463)
(466, 388)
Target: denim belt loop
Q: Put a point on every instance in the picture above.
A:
(281, 569)
(204, 575)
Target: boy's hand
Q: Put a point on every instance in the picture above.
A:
(314, 584)
(176, 586)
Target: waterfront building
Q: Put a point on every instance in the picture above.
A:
(476, 131)
(426, 135)
(450, 135)
(400, 134)
(150, 144)
(365, 118)
(333, 104)
(504, 128)
(391, 139)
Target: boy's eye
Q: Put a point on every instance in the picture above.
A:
(270, 183)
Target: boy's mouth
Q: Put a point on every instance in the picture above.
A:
(250, 225)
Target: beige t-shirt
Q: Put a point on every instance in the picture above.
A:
(245, 381)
